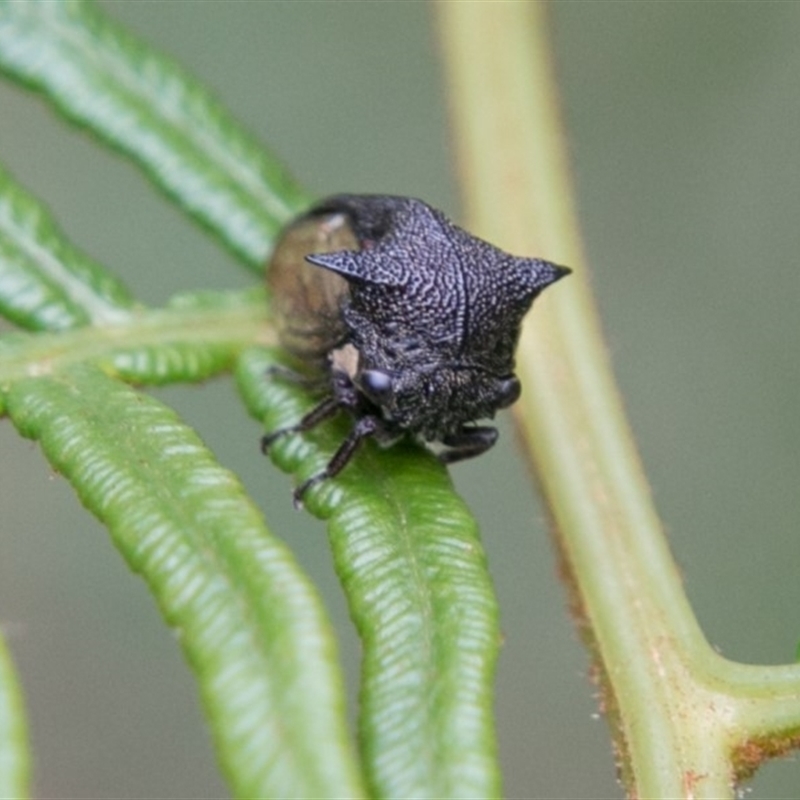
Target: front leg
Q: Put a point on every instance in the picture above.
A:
(468, 443)
(344, 396)
(327, 408)
(364, 427)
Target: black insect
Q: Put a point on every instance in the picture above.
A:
(412, 321)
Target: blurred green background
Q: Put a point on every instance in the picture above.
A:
(683, 124)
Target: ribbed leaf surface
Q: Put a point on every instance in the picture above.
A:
(412, 565)
(209, 329)
(145, 106)
(14, 766)
(45, 283)
(250, 623)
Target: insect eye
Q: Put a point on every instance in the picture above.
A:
(376, 385)
(508, 391)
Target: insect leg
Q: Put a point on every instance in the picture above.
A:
(327, 408)
(468, 442)
(364, 427)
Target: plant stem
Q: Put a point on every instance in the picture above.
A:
(228, 325)
(679, 711)
(14, 754)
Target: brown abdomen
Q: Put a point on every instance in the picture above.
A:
(307, 300)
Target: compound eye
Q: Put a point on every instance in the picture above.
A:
(508, 391)
(376, 385)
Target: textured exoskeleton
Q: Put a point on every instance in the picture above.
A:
(412, 320)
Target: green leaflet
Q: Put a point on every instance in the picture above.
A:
(45, 283)
(14, 762)
(250, 623)
(409, 557)
(146, 107)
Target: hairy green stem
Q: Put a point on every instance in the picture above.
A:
(682, 715)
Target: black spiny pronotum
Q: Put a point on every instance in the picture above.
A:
(412, 321)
